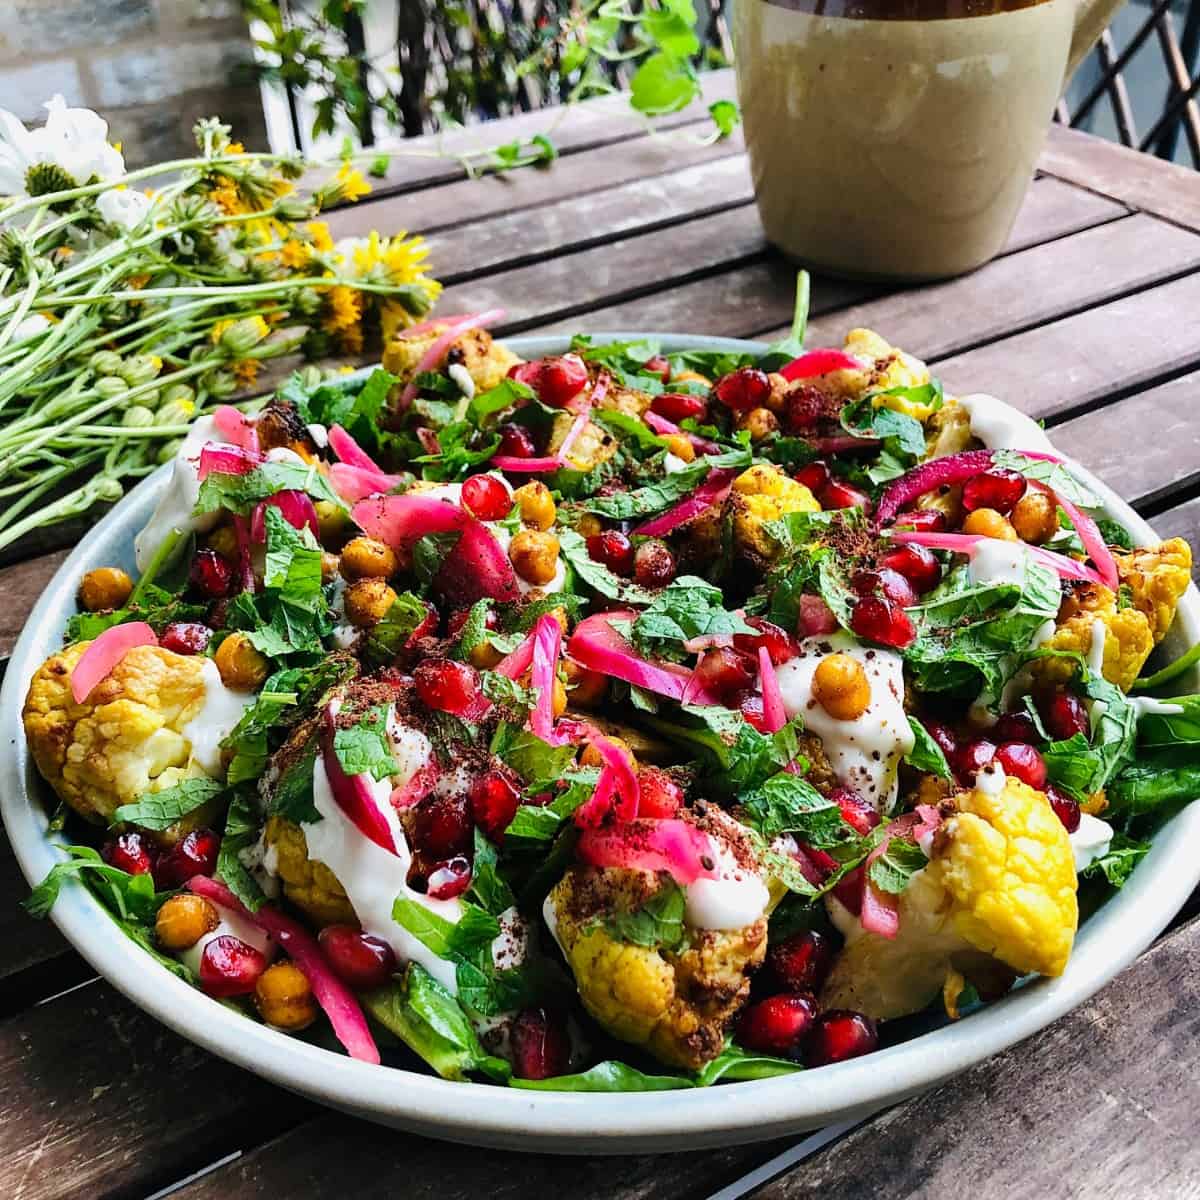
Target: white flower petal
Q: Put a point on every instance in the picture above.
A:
(123, 207)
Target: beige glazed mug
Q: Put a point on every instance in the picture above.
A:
(895, 139)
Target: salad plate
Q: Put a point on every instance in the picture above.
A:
(654, 1113)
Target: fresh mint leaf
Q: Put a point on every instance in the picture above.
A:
(657, 923)
(488, 887)
(653, 498)
(632, 430)
(596, 575)
(536, 761)
(365, 748)
(429, 552)
(898, 863)
(926, 754)
(461, 449)
(902, 435)
(688, 607)
(1056, 476)
(242, 826)
(292, 796)
(787, 803)
(386, 639)
(475, 628)
(160, 810)
(508, 393)
(293, 560)
(241, 493)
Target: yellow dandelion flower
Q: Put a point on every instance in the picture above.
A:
(225, 196)
(245, 371)
(318, 232)
(235, 148)
(401, 257)
(214, 334)
(349, 183)
(343, 309)
(295, 254)
(350, 340)
(138, 281)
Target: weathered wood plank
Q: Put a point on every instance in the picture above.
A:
(1100, 1104)
(21, 585)
(1139, 180)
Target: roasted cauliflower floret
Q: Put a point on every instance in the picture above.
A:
(125, 739)
(593, 446)
(890, 368)
(311, 886)
(948, 431)
(760, 494)
(487, 361)
(1128, 639)
(999, 892)
(675, 1003)
(1157, 577)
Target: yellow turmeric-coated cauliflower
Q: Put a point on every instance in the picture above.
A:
(591, 447)
(760, 494)
(126, 738)
(487, 361)
(311, 886)
(999, 892)
(675, 1004)
(1128, 641)
(948, 431)
(890, 368)
(1157, 577)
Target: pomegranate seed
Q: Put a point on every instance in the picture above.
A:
(886, 582)
(447, 685)
(562, 379)
(815, 476)
(751, 708)
(230, 967)
(129, 852)
(676, 406)
(527, 373)
(494, 803)
(814, 616)
(945, 738)
(973, 757)
(924, 520)
(185, 637)
(442, 827)
(1023, 762)
(210, 574)
(778, 1024)
(613, 549)
(839, 1035)
(450, 878)
(487, 497)
(856, 812)
(516, 441)
(657, 365)
(743, 389)
(801, 962)
(194, 854)
(1015, 727)
(1063, 715)
(541, 1046)
(839, 494)
(360, 960)
(881, 621)
(803, 409)
(998, 488)
(723, 671)
(780, 644)
(917, 564)
(653, 564)
(659, 795)
(1066, 808)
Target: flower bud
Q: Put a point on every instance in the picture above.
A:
(168, 450)
(110, 387)
(220, 384)
(109, 490)
(179, 392)
(242, 336)
(140, 368)
(105, 362)
(306, 303)
(138, 416)
(311, 377)
(176, 412)
(294, 208)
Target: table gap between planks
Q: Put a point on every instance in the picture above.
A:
(1089, 319)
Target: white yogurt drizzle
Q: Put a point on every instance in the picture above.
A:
(736, 898)
(996, 561)
(1146, 706)
(462, 377)
(1090, 841)
(990, 780)
(999, 426)
(221, 711)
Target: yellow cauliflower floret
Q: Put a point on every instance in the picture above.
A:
(948, 431)
(126, 738)
(760, 494)
(310, 886)
(593, 446)
(1128, 640)
(1157, 577)
(487, 361)
(890, 368)
(675, 1004)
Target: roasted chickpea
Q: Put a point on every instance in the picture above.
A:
(534, 555)
(367, 601)
(332, 522)
(680, 445)
(330, 565)
(761, 423)
(537, 505)
(241, 666)
(1095, 804)
(366, 558)
(841, 688)
(183, 921)
(560, 697)
(589, 525)
(484, 656)
(987, 522)
(690, 376)
(284, 998)
(591, 756)
(777, 400)
(1035, 518)
(586, 688)
(224, 541)
(105, 587)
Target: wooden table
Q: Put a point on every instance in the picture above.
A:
(1090, 319)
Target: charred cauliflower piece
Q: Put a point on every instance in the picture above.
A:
(948, 431)
(311, 886)
(593, 446)
(760, 494)
(674, 1003)
(999, 889)
(1157, 577)
(126, 738)
(889, 368)
(487, 361)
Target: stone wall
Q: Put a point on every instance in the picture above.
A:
(151, 67)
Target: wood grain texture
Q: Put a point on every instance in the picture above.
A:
(1183, 521)
(1100, 1104)
(20, 586)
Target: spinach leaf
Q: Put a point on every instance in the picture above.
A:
(735, 1064)
(240, 493)
(898, 863)
(241, 832)
(779, 354)
(1154, 787)
(131, 897)
(508, 393)
(160, 810)
(1082, 768)
(926, 754)
(1116, 864)
(608, 1076)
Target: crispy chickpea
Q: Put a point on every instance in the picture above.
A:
(680, 445)
(183, 921)
(841, 688)
(777, 400)
(332, 522)
(1095, 804)
(1035, 518)
(241, 666)
(366, 558)
(560, 697)
(284, 998)
(534, 555)
(760, 423)
(367, 602)
(330, 565)
(987, 522)
(537, 505)
(690, 376)
(589, 525)
(105, 587)
(587, 688)
(591, 756)
(484, 656)
(224, 541)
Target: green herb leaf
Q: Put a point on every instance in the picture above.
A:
(242, 825)
(926, 754)
(1116, 864)
(365, 748)
(899, 862)
(663, 84)
(787, 803)
(686, 608)
(735, 1064)
(386, 639)
(608, 1076)
(160, 810)
(240, 493)
(658, 922)
(131, 897)
(596, 575)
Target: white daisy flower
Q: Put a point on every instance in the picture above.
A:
(123, 207)
(73, 139)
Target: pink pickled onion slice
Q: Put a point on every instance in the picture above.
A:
(595, 644)
(880, 910)
(525, 466)
(1091, 537)
(547, 647)
(515, 664)
(241, 528)
(661, 425)
(350, 452)
(296, 508)
(814, 616)
(938, 472)
(712, 491)
(577, 427)
(432, 323)
(819, 362)
(706, 641)
(843, 445)
(966, 543)
(428, 439)
(617, 779)
(99, 659)
(236, 427)
(226, 460)
(402, 520)
(669, 844)
(477, 568)
(432, 358)
(335, 998)
(774, 713)
(357, 483)
(354, 794)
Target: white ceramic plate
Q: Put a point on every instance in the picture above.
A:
(563, 1122)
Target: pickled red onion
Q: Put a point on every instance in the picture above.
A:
(661, 425)
(350, 452)
(437, 350)
(236, 427)
(296, 508)
(1091, 537)
(226, 460)
(965, 543)
(402, 520)
(105, 652)
(516, 663)
(712, 491)
(547, 647)
(819, 362)
(669, 844)
(774, 712)
(477, 568)
(357, 483)
(938, 472)
(617, 780)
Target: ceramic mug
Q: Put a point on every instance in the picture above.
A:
(895, 139)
